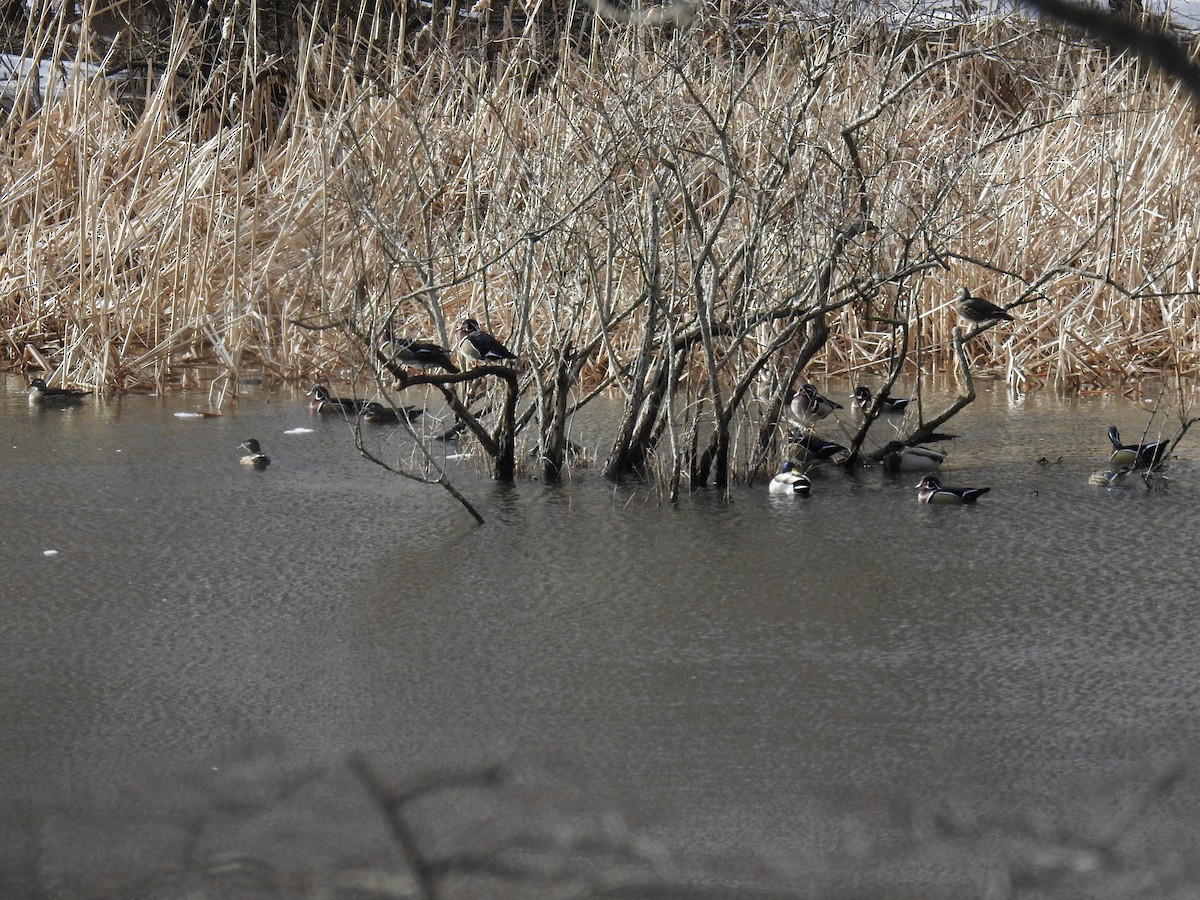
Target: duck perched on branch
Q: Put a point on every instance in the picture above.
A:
(477, 345)
(412, 353)
(976, 309)
(1135, 456)
(41, 394)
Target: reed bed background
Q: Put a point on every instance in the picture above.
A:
(259, 198)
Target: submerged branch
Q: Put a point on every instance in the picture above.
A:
(441, 480)
(927, 430)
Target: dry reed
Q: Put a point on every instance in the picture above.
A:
(246, 190)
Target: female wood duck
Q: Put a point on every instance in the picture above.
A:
(976, 309)
(1109, 477)
(417, 354)
(810, 448)
(378, 414)
(862, 402)
(40, 394)
(254, 457)
(930, 490)
(325, 403)
(1135, 456)
(899, 458)
(788, 482)
(477, 345)
(808, 406)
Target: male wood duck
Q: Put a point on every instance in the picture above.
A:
(810, 448)
(976, 309)
(862, 402)
(325, 403)
(787, 481)
(1135, 456)
(378, 414)
(930, 490)
(899, 458)
(254, 457)
(808, 406)
(477, 345)
(40, 394)
(413, 353)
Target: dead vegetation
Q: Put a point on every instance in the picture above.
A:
(689, 214)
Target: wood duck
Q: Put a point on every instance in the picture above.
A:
(899, 458)
(1109, 477)
(378, 414)
(930, 490)
(40, 394)
(788, 482)
(808, 406)
(862, 402)
(413, 353)
(254, 457)
(1135, 456)
(325, 403)
(477, 345)
(810, 448)
(976, 309)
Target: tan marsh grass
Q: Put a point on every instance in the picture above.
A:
(224, 213)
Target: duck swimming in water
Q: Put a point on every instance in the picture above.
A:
(254, 458)
(378, 414)
(326, 403)
(787, 481)
(863, 398)
(1135, 456)
(899, 458)
(930, 490)
(40, 394)
(808, 406)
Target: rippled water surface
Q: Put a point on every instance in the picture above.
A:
(721, 671)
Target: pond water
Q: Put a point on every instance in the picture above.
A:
(764, 678)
